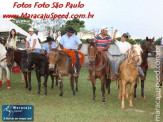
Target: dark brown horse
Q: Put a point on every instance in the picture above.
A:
(161, 75)
(148, 47)
(64, 67)
(97, 66)
(17, 56)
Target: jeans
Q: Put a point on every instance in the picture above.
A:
(37, 50)
(77, 63)
(115, 64)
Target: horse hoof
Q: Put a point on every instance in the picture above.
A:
(22, 82)
(45, 94)
(130, 106)
(103, 102)
(93, 101)
(8, 88)
(135, 98)
(38, 94)
(42, 86)
(52, 88)
(29, 89)
(108, 94)
(74, 95)
(126, 98)
(60, 96)
(56, 86)
(144, 98)
(123, 107)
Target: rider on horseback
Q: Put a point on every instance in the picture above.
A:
(123, 46)
(68, 44)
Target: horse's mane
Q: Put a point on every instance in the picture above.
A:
(92, 43)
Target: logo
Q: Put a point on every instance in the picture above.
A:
(17, 112)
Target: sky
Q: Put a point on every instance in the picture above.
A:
(140, 18)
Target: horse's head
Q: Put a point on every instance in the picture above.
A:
(92, 52)
(10, 57)
(150, 46)
(136, 53)
(53, 57)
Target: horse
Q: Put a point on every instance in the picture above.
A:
(148, 47)
(3, 66)
(129, 73)
(39, 62)
(97, 66)
(12, 56)
(64, 67)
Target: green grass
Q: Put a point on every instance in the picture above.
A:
(71, 108)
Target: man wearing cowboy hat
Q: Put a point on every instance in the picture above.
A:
(72, 42)
(32, 41)
(48, 46)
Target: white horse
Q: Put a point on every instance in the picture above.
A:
(3, 67)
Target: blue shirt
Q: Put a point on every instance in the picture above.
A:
(46, 47)
(70, 43)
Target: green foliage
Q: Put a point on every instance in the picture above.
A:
(158, 41)
(76, 24)
(23, 23)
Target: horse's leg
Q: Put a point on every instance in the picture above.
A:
(26, 80)
(142, 89)
(131, 94)
(8, 78)
(160, 94)
(22, 78)
(39, 82)
(61, 86)
(120, 89)
(45, 83)
(126, 93)
(109, 82)
(56, 84)
(29, 81)
(102, 78)
(76, 80)
(94, 88)
(123, 94)
(52, 78)
(135, 91)
(72, 84)
(0, 77)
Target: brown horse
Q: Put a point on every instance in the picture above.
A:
(129, 73)
(64, 67)
(148, 47)
(97, 66)
(161, 75)
(17, 55)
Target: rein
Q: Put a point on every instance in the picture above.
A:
(98, 67)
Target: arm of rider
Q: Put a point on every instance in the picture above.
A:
(61, 46)
(114, 36)
(34, 44)
(79, 47)
(106, 48)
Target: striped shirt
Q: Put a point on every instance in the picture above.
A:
(102, 42)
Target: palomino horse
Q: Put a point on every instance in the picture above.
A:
(148, 47)
(97, 67)
(3, 66)
(64, 67)
(129, 72)
(16, 56)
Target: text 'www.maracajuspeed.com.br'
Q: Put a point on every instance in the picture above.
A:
(51, 16)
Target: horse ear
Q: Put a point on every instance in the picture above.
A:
(147, 38)
(153, 39)
(87, 41)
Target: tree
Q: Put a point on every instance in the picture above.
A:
(50, 27)
(75, 23)
(158, 41)
(22, 22)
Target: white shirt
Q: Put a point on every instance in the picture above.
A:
(11, 42)
(123, 46)
(30, 40)
(70, 43)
